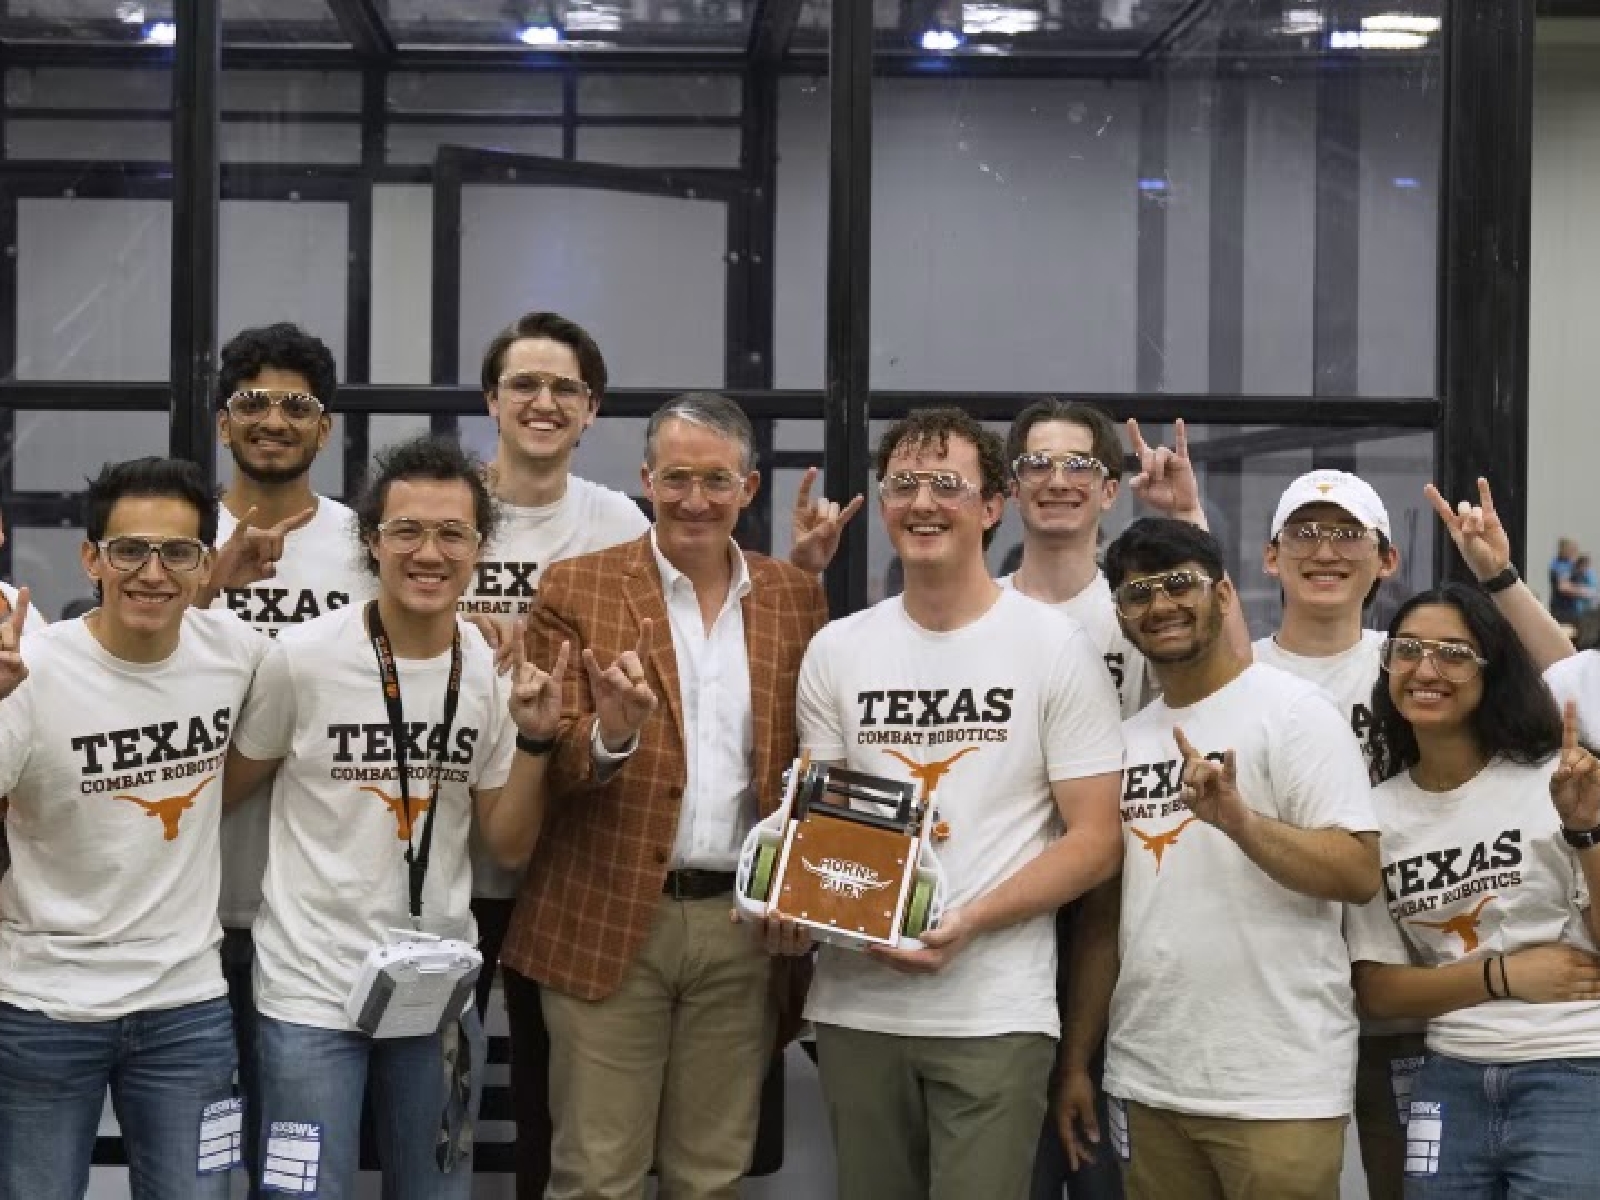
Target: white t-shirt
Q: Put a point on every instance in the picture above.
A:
(336, 873)
(1348, 678)
(1008, 704)
(1477, 871)
(1578, 678)
(320, 571)
(1094, 609)
(33, 622)
(1234, 997)
(114, 772)
(589, 517)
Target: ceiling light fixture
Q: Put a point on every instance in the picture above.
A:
(941, 39)
(1375, 39)
(1402, 23)
(161, 33)
(1004, 19)
(539, 35)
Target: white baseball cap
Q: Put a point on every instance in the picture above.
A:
(1347, 491)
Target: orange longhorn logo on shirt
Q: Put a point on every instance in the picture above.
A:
(929, 774)
(1159, 843)
(403, 817)
(171, 809)
(1464, 925)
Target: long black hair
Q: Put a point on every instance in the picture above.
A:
(1517, 717)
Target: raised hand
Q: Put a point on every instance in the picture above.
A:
(12, 669)
(818, 526)
(1210, 788)
(535, 694)
(1575, 783)
(251, 555)
(1166, 480)
(623, 699)
(1476, 530)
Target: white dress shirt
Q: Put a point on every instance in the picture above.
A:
(718, 721)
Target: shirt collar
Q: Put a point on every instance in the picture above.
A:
(738, 589)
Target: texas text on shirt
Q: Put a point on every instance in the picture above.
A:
(336, 878)
(1094, 610)
(318, 573)
(1477, 871)
(113, 770)
(984, 717)
(1347, 677)
(1234, 997)
(588, 517)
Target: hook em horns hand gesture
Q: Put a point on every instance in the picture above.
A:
(818, 526)
(622, 696)
(1166, 480)
(1476, 529)
(535, 694)
(1210, 788)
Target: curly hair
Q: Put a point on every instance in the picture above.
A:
(1517, 717)
(284, 347)
(429, 458)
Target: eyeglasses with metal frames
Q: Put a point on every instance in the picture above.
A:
(253, 404)
(405, 535)
(1183, 588)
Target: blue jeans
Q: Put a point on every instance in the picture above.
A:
(312, 1082)
(164, 1067)
(1517, 1131)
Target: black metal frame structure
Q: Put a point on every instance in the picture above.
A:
(1478, 412)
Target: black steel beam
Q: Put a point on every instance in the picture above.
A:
(196, 238)
(1333, 412)
(1230, 126)
(1484, 261)
(771, 30)
(1336, 253)
(1153, 197)
(847, 404)
(362, 22)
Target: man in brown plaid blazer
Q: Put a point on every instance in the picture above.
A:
(658, 1005)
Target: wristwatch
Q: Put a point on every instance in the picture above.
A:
(1500, 581)
(1581, 839)
(535, 746)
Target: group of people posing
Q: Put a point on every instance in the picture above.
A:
(497, 704)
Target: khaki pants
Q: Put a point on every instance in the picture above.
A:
(1174, 1156)
(667, 1069)
(923, 1118)
(1383, 1138)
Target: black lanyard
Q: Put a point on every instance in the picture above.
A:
(416, 860)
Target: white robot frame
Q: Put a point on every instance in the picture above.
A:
(922, 890)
